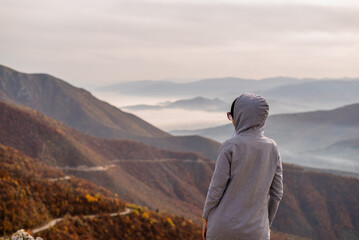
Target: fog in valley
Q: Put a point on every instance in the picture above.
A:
(309, 118)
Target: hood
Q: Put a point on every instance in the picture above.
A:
(250, 113)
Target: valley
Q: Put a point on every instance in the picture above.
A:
(91, 175)
(325, 139)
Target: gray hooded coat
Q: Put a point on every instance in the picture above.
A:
(246, 185)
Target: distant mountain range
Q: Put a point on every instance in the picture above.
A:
(79, 109)
(322, 139)
(285, 95)
(216, 87)
(197, 103)
(313, 95)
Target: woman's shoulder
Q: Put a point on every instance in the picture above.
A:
(271, 141)
(227, 145)
(273, 145)
(248, 140)
(233, 142)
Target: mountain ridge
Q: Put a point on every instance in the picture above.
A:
(32, 90)
(196, 103)
(58, 145)
(79, 109)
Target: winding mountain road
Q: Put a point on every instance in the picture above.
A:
(113, 164)
(103, 168)
(55, 221)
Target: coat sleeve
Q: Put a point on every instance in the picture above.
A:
(220, 178)
(275, 192)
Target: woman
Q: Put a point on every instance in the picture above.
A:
(246, 185)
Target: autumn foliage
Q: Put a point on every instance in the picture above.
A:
(139, 225)
(30, 194)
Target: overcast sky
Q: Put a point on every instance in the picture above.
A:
(93, 43)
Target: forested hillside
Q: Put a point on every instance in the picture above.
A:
(318, 205)
(32, 194)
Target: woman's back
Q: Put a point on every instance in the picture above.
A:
(248, 171)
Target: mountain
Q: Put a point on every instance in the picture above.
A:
(74, 199)
(224, 88)
(285, 95)
(309, 131)
(74, 106)
(144, 225)
(32, 194)
(345, 149)
(322, 139)
(322, 94)
(219, 133)
(312, 95)
(278, 88)
(315, 205)
(133, 170)
(197, 103)
(57, 144)
(79, 109)
(318, 205)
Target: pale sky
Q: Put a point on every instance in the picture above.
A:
(93, 43)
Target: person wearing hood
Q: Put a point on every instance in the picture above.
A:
(247, 183)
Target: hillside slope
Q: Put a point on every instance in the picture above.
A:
(318, 205)
(81, 110)
(74, 106)
(32, 193)
(115, 164)
(59, 145)
(315, 129)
